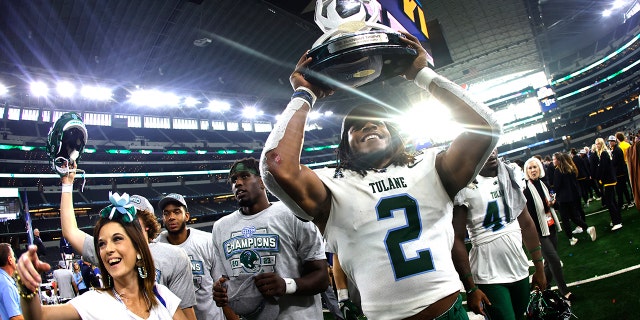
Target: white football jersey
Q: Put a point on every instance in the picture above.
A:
(393, 233)
(496, 254)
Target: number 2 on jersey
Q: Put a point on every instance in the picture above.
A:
(403, 267)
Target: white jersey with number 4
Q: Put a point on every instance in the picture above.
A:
(393, 233)
(496, 254)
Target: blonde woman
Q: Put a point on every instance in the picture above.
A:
(607, 178)
(540, 208)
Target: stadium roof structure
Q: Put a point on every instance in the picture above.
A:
(248, 48)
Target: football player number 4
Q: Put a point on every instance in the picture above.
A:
(492, 218)
(403, 267)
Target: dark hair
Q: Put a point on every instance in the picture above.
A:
(5, 251)
(347, 160)
(134, 232)
(248, 163)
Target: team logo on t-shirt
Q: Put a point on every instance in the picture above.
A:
(250, 261)
(252, 250)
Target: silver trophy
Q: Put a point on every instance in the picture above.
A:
(355, 49)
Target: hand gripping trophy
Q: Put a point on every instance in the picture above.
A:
(354, 49)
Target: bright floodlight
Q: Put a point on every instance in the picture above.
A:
(39, 89)
(191, 102)
(66, 89)
(313, 115)
(328, 113)
(439, 128)
(219, 106)
(251, 112)
(3, 90)
(96, 93)
(606, 13)
(154, 98)
(618, 4)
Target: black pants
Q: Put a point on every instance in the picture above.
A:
(610, 203)
(569, 214)
(552, 264)
(622, 190)
(583, 184)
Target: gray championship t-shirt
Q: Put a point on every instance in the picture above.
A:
(172, 269)
(273, 240)
(199, 248)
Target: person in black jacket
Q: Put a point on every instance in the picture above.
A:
(42, 250)
(622, 174)
(586, 154)
(606, 176)
(583, 174)
(568, 196)
(549, 169)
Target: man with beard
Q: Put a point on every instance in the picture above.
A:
(197, 245)
(386, 213)
(493, 211)
(284, 255)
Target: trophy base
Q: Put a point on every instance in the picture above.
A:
(360, 58)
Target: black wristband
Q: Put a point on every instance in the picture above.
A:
(306, 96)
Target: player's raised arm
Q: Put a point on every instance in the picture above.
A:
(69, 225)
(466, 155)
(295, 184)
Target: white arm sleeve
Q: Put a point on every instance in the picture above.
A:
(426, 76)
(272, 142)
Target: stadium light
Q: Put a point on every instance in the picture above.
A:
(96, 93)
(251, 112)
(154, 98)
(218, 106)
(618, 4)
(314, 115)
(39, 89)
(66, 89)
(190, 102)
(3, 90)
(440, 127)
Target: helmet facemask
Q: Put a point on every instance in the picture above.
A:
(65, 143)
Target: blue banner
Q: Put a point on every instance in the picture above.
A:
(27, 220)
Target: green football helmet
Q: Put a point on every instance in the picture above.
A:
(65, 142)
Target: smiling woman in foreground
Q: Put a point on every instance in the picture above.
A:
(127, 266)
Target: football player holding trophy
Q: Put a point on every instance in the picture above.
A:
(355, 49)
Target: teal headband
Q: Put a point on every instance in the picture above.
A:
(240, 167)
(120, 208)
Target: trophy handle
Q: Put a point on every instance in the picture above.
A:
(340, 29)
